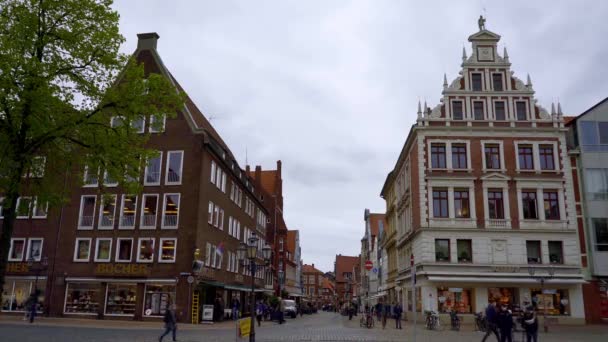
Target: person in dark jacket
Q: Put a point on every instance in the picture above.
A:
(397, 311)
(530, 323)
(386, 313)
(378, 310)
(505, 324)
(170, 323)
(492, 322)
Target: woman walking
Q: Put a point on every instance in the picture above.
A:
(170, 323)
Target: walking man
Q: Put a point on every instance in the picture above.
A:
(386, 312)
(259, 311)
(397, 311)
(281, 311)
(505, 324)
(378, 309)
(492, 322)
(32, 303)
(531, 325)
(170, 323)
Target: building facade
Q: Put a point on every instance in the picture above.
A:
(345, 278)
(118, 255)
(312, 284)
(374, 222)
(482, 197)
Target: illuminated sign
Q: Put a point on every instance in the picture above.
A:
(122, 269)
(17, 267)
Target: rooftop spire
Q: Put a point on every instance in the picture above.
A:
(552, 108)
(529, 82)
(505, 54)
(464, 54)
(445, 81)
(559, 109)
(419, 110)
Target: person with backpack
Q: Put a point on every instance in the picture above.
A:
(530, 323)
(170, 323)
(505, 324)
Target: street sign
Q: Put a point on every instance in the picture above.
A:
(375, 270)
(369, 265)
(190, 279)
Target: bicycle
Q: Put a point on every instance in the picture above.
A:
(432, 321)
(367, 321)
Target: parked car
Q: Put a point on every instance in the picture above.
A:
(290, 308)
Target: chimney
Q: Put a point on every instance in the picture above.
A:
(258, 174)
(313, 265)
(147, 41)
(247, 169)
(279, 168)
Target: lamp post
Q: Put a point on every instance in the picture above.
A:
(247, 254)
(542, 279)
(281, 282)
(38, 268)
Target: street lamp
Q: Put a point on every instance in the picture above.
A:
(281, 282)
(41, 266)
(542, 278)
(247, 254)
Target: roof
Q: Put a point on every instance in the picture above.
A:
(310, 269)
(374, 222)
(345, 264)
(569, 119)
(327, 284)
(572, 119)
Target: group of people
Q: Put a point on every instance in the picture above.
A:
(386, 311)
(500, 323)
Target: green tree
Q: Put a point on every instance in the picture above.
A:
(62, 82)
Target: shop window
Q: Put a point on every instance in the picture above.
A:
(551, 205)
(440, 203)
(545, 154)
(128, 208)
(556, 252)
(461, 203)
(82, 250)
(24, 207)
(15, 294)
(596, 184)
(464, 250)
(600, 227)
(16, 250)
(438, 156)
(149, 211)
(492, 154)
(168, 250)
(153, 169)
(157, 299)
(123, 249)
(87, 212)
(454, 299)
(478, 110)
(503, 295)
(497, 82)
(533, 252)
(34, 249)
(552, 301)
(171, 211)
(145, 250)
(442, 250)
(521, 110)
(526, 158)
(107, 211)
(459, 156)
(495, 204)
(103, 250)
(120, 299)
(175, 163)
(457, 110)
(528, 201)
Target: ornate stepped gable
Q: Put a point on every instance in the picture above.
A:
(494, 81)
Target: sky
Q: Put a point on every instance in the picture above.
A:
(331, 88)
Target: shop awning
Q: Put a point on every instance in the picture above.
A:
(379, 294)
(121, 280)
(244, 288)
(213, 283)
(295, 295)
(548, 282)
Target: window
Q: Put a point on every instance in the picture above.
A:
(82, 250)
(594, 135)
(171, 211)
(116, 121)
(528, 202)
(157, 126)
(459, 156)
(175, 160)
(123, 249)
(213, 172)
(108, 181)
(145, 250)
(168, 250)
(103, 250)
(497, 82)
(521, 111)
(526, 158)
(87, 212)
(127, 211)
(210, 213)
(90, 178)
(476, 81)
(499, 110)
(16, 250)
(107, 210)
(533, 252)
(37, 167)
(440, 203)
(545, 153)
(478, 111)
(208, 254)
(40, 209)
(438, 156)
(464, 250)
(281, 244)
(148, 211)
(461, 203)
(216, 216)
(138, 124)
(223, 187)
(602, 127)
(457, 110)
(34, 249)
(556, 252)
(152, 171)
(596, 184)
(495, 204)
(158, 298)
(221, 219)
(24, 207)
(442, 250)
(551, 205)
(492, 154)
(600, 227)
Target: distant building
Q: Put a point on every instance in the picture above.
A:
(345, 277)
(293, 267)
(313, 280)
(369, 252)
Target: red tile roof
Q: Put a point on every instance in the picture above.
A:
(569, 119)
(374, 223)
(310, 269)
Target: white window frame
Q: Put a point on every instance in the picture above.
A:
(121, 212)
(451, 184)
(179, 195)
(230, 219)
(35, 207)
(29, 208)
(216, 216)
(221, 219)
(497, 184)
(210, 211)
(536, 156)
(142, 212)
(143, 124)
(224, 177)
(95, 256)
(486, 113)
(112, 119)
(108, 185)
(37, 173)
(464, 109)
(117, 252)
(81, 227)
(10, 250)
(100, 214)
(86, 174)
(139, 241)
(77, 244)
(504, 84)
(29, 245)
(501, 150)
(448, 154)
(162, 129)
(181, 167)
(213, 172)
(528, 114)
(160, 251)
(506, 102)
(483, 88)
(208, 254)
(160, 171)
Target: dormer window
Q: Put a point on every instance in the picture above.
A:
(457, 110)
(521, 110)
(476, 82)
(478, 110)
(499, 110)
(497, 82)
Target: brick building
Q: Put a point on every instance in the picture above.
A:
(312, 284)
(345, 277)
(482, 194)
(128, 256)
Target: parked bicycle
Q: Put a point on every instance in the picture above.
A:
(432, 320)
(480, 322)
(367, 320)
(455, 320)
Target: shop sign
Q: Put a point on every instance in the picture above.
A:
(17, 267)
(455, 289)
(208, 313)
(238, 278)
(122, 269)
(549, 291)
(505, 269)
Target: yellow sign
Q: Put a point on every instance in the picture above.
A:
(122, 269)
(17, 267)
(244, 327)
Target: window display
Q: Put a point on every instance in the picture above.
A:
(158, 298)
(503, 295)
(82, 298)
(556, 301)
(16, 293)
(452, 298)
(120, 299)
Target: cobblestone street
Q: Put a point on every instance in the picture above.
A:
(320, 327)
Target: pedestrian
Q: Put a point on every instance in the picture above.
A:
(351, 310)
(33, 305)
(259, 312)
(236, 305)
(397, 311)
(281, 311)
(531, 325)
(491, 321)
(378, 309)
(505, 324)
(170, 323)
(217, 313)
(386, 312)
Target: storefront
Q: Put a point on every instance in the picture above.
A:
(455, 299)
(503, 295)
(552, 301)
(17, 290)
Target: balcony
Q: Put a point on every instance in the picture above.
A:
(498, 223)
(170, 221)
(127, 221)
(453, 222)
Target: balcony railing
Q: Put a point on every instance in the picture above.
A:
(127, 221)
(170, 220)
(106, 221)
(153, 177)
(148, 220)
(86, 221)
(174, 177)
(497, 223)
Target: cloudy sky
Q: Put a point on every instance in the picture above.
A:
(331, 87)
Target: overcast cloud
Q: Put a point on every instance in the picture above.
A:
(331, 87)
